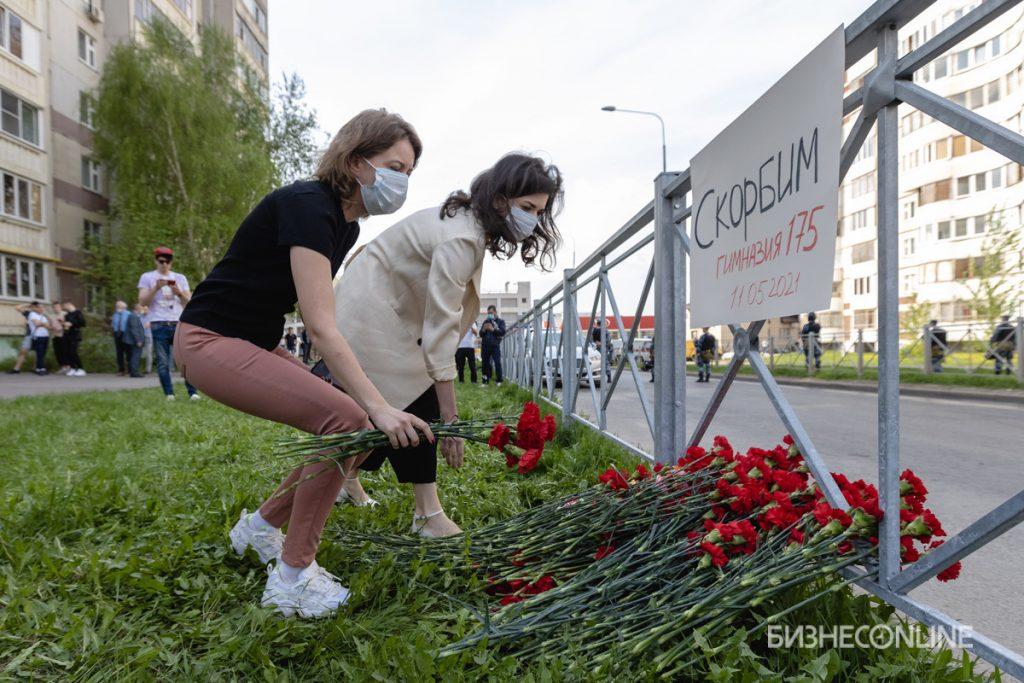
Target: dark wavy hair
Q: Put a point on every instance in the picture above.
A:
(515, 175)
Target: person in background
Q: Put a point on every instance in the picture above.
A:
(1003, 342)
(57, 327)
(305, 345)
(603, 344)
(135, 339)
(652, 358)
(165, 293)
(705, 351)
(74, 321)
(26, 341)
(491, 334)
(812, 347)
(939, 345)
(39, 328)
(118, 322)
(290, 341)
(147, 348)
(466, 353)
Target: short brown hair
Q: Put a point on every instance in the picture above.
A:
(369, 132)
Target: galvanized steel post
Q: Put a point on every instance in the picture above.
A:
(669, 329)
(1020, 349)
(888, 309)
(538, 352)
(568, 370)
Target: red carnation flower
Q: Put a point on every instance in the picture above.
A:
(950, 573)
(529, 460)
(911, 483)
(549, 427)
(544, 583)
(500, 437)
(604, 551)
(658, 467)
(510, 599)
(614, 479)
(716, 554)
(530, 431)
(642, 472)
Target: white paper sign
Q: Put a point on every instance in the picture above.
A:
(765, 199)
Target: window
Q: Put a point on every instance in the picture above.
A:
(864, 318)
(86, 109)
(258, 13)
(19, 118)
(976, 97)
(93, 299)
(22, 278)
(862, 185)
(185, 6)
(92, 233)
(867, 150)
(909, 208)
(934, 192)
(941, 67)
(909, 246)
(943, 230)
(861, 253)
(22, 198)
(10, 32)
(994, 46)
(860, 219)
(960, 229)
(91, 174)
(251, 43)
(837, 289)
(993, 92)
(862, 285)
(87, 48)
(942, 148)
(963, 186)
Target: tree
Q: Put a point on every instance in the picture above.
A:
(294, 136)
(994, 279)
(190, 147)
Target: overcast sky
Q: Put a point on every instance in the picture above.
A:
(481, 78)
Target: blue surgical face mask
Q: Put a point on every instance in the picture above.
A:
(490, 316)
(521, 223)
(387, 194)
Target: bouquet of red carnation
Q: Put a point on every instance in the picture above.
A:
(523, 446)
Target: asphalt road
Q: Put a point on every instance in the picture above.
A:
(969, 453)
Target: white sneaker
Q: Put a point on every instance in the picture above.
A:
(78, 373)
(195, 397)
(170, 397)
(266, 543)
(316, 593)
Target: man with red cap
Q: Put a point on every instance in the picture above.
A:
(165, 293)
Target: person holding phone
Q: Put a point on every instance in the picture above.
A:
(165, 293)
(287, 251)
(413, 292)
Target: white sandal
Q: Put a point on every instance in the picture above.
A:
(345, 497)
(419, 524)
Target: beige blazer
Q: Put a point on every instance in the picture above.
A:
(406, 300)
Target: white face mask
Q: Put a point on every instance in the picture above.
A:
(387, 194)
(521, 223)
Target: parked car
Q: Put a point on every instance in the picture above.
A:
(553, 355)
(643, 348)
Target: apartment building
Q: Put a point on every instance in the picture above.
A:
(951, 188)
(54, 195)
(511, 303)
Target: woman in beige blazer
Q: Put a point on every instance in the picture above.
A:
(409, 297)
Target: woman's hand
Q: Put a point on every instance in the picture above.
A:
(400, 427)
(453, 450)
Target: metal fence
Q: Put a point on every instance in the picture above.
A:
(541, 354)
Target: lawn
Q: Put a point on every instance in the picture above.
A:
(114, 561)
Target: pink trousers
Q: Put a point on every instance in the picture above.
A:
(276, 386)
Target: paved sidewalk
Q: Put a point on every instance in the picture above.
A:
(28, 384)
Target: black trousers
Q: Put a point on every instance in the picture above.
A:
(414, 465)
(39, 345)
(134, 355)
(71, 343)
(60, 350)
(123, 352)
(491, 356)
(462, 356)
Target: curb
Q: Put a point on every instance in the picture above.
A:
(1013, 396)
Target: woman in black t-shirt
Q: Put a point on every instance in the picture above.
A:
(287, 251)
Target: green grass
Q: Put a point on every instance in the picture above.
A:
(114, 561)
(908, 375)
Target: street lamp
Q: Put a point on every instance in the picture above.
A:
(611, 107)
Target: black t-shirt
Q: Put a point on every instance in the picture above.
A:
(249, 292)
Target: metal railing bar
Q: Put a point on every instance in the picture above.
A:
(952, 35)
(853, 100)
(630, 228)
(683, 237)
(862, 32)
(854, 141)
(644, 293)
(718, 395)
(627, 354)
(629, 252)
(977, 127)
(986, 529)
(980, 645)
(678, 186)
(800, 436)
